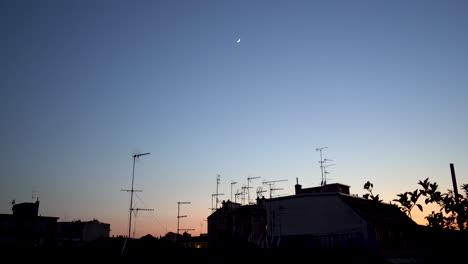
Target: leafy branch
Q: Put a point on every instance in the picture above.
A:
(369, 186)
(451, 215)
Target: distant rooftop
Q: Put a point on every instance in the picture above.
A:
(334, 187)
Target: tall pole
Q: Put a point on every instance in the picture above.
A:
(454, 181)
(131, 198)
(248, 188)
(321, 163)
(180, 216)
(232, 183)
(455, 192)
(132, 191)
(218, 178)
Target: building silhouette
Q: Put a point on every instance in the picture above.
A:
(25, 228)
(79, 232)
(319, 217)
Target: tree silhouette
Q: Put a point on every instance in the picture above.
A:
(369, 186)
(452, 215)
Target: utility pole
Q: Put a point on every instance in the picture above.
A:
(132, 190)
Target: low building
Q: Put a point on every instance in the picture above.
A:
(79, 231)
(195, 242)
(234, 225)
(25, 228)
(336, 220)
(319, 217)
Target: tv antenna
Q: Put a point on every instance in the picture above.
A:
(212, 198)
(271, 184)
(34, 194)
(178, 219)
(215, 195)
(323, 166)
(218, 179)
(135, 211)
(248, 187)
(244, 188)
(232, 183)
(260, 191)
(132, 190)
(325, 171)
(237, 194)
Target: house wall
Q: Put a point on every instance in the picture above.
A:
(94, 230)
(315, 221)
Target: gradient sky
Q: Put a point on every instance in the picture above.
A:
(86, 84)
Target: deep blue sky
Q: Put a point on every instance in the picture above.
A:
(85, 84)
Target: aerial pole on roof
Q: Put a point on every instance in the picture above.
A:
(260, 191)
(271, 184)
(325, 172)
(132, 190)
(248, 187)
(324, 166)
(218, 179)
(178, 219)
(321, 162)
(215, 195)
(135, 211)
(244, 188)
(237, 194)
(232, 183)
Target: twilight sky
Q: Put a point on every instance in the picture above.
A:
(86, 84)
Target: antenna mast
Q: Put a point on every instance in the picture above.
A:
(232, 183)
(237, 194)
(260, 191)
(271, 183)
(178, 219)
(323, 167)
(321, 162)
(248, 187)
(218, 178)
(243, 194)
(132, 191)
(135, 211)
(325, 170)
(34, 195)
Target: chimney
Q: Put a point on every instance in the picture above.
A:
(298, 187)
